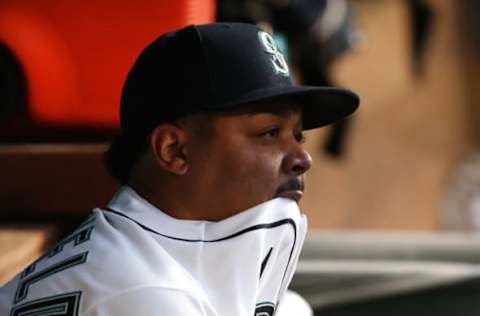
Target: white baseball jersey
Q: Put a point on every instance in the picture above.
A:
(132, 259)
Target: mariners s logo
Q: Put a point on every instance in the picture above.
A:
(278, 60)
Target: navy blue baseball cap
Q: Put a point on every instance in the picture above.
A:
(216, 67)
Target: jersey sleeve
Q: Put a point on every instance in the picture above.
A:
(152, 301)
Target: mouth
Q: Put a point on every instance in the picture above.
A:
(292, 189)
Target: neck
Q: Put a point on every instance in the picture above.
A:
(165, 200)
(177, 196)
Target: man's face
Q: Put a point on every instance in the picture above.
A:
(247, 158)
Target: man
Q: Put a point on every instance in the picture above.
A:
(212, 163)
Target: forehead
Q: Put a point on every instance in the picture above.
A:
(284, 109)
(204, 122)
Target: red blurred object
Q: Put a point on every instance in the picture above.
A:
(75, 55)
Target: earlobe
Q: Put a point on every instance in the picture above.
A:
(168, 145)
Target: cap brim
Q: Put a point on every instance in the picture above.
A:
(321, 105)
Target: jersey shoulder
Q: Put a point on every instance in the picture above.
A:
(105, 257)
(151, 301)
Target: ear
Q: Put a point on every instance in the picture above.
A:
(168, 144)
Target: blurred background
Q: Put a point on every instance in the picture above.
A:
(393, 197)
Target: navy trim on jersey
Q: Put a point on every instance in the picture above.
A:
(246, 230)
(288, 221)
(265, 260)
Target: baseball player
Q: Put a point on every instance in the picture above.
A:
(211, 163)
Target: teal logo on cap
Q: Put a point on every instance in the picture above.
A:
(276, 57)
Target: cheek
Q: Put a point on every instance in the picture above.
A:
(253, 172)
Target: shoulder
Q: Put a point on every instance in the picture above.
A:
(125, 255)
(146, 300)
(103, 259)
(151, 300)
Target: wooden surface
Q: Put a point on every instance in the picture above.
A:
(20, 246)
(55, 179)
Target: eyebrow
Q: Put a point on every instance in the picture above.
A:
(280, 110)
(283, 110)
(281, 113)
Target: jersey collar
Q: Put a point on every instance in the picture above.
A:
(130, 204)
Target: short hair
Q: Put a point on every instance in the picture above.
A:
(124, 151)
(126, 148)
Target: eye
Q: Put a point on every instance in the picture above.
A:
(300, 137)
(271, 133)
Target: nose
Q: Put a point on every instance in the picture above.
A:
(297, 162)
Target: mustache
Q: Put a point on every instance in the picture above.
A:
(291, 185)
